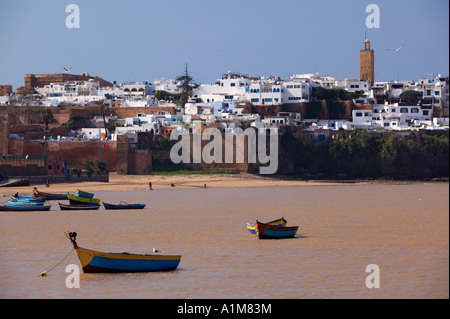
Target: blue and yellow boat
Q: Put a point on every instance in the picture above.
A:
(78, 200)
(100, 262)
(277, 222)
(84, 194)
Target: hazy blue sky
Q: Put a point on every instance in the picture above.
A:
(147, 40)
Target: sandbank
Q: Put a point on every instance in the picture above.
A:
(119, 182)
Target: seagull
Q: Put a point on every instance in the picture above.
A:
(396, 50)
(156, 250)
(67, 70)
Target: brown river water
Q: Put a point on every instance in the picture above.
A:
(404, 229)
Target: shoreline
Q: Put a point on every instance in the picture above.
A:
(119, 182)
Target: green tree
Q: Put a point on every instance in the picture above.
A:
(411, 96)
(46, 116)
(185, 85)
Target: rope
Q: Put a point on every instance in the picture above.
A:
(45, 272)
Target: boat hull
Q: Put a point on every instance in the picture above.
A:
(27, 207)
(124, 206)
(275, 232)
(76, 200)
(78, 207)
(50, 195)
(277, 222)
(25, 203)
(100, 262)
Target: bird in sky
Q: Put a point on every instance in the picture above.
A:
(67, 69)
(396, 50)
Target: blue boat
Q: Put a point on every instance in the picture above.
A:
(17, 198)
(265, 231)
(123, 205)
(24, 203)
(27, 207)
(100, 262)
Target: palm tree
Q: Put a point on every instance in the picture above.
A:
(46, 115)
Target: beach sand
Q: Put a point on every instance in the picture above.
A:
(119, 182)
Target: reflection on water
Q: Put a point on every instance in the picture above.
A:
(401, 228)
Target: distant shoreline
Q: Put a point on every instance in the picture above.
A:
(119, 182)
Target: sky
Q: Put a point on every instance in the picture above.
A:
(145, 40)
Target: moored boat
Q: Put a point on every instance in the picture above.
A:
(265, 231)
(81, 193)
(46, 195)
(123, 205)
(17, 198)
(25, 203)
(100, 262)
(78, 207)
(77, 200)
(27, 207)
(277, 222)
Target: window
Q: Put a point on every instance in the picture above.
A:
(436, 92)
(232, 84)
(403, 110)
(386, 124)
(254, 100)
(415, 110)
(425, 112)
(358, 114)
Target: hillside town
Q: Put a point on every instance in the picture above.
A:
(57, 110)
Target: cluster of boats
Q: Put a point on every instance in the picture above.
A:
(81, 200)
(100, 262)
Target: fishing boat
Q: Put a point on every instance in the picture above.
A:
(123, 205)
(27, 207)
(77, 200)
(25, 203)
(265, 231)
(84, 194)
(277, 222)
(100, 262)
(78, 207)
(17, 198)
(49, 195)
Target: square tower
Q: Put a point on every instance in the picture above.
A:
(367, 63)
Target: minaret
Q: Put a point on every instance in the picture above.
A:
(367, 63)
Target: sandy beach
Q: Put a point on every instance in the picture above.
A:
(119, 182)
